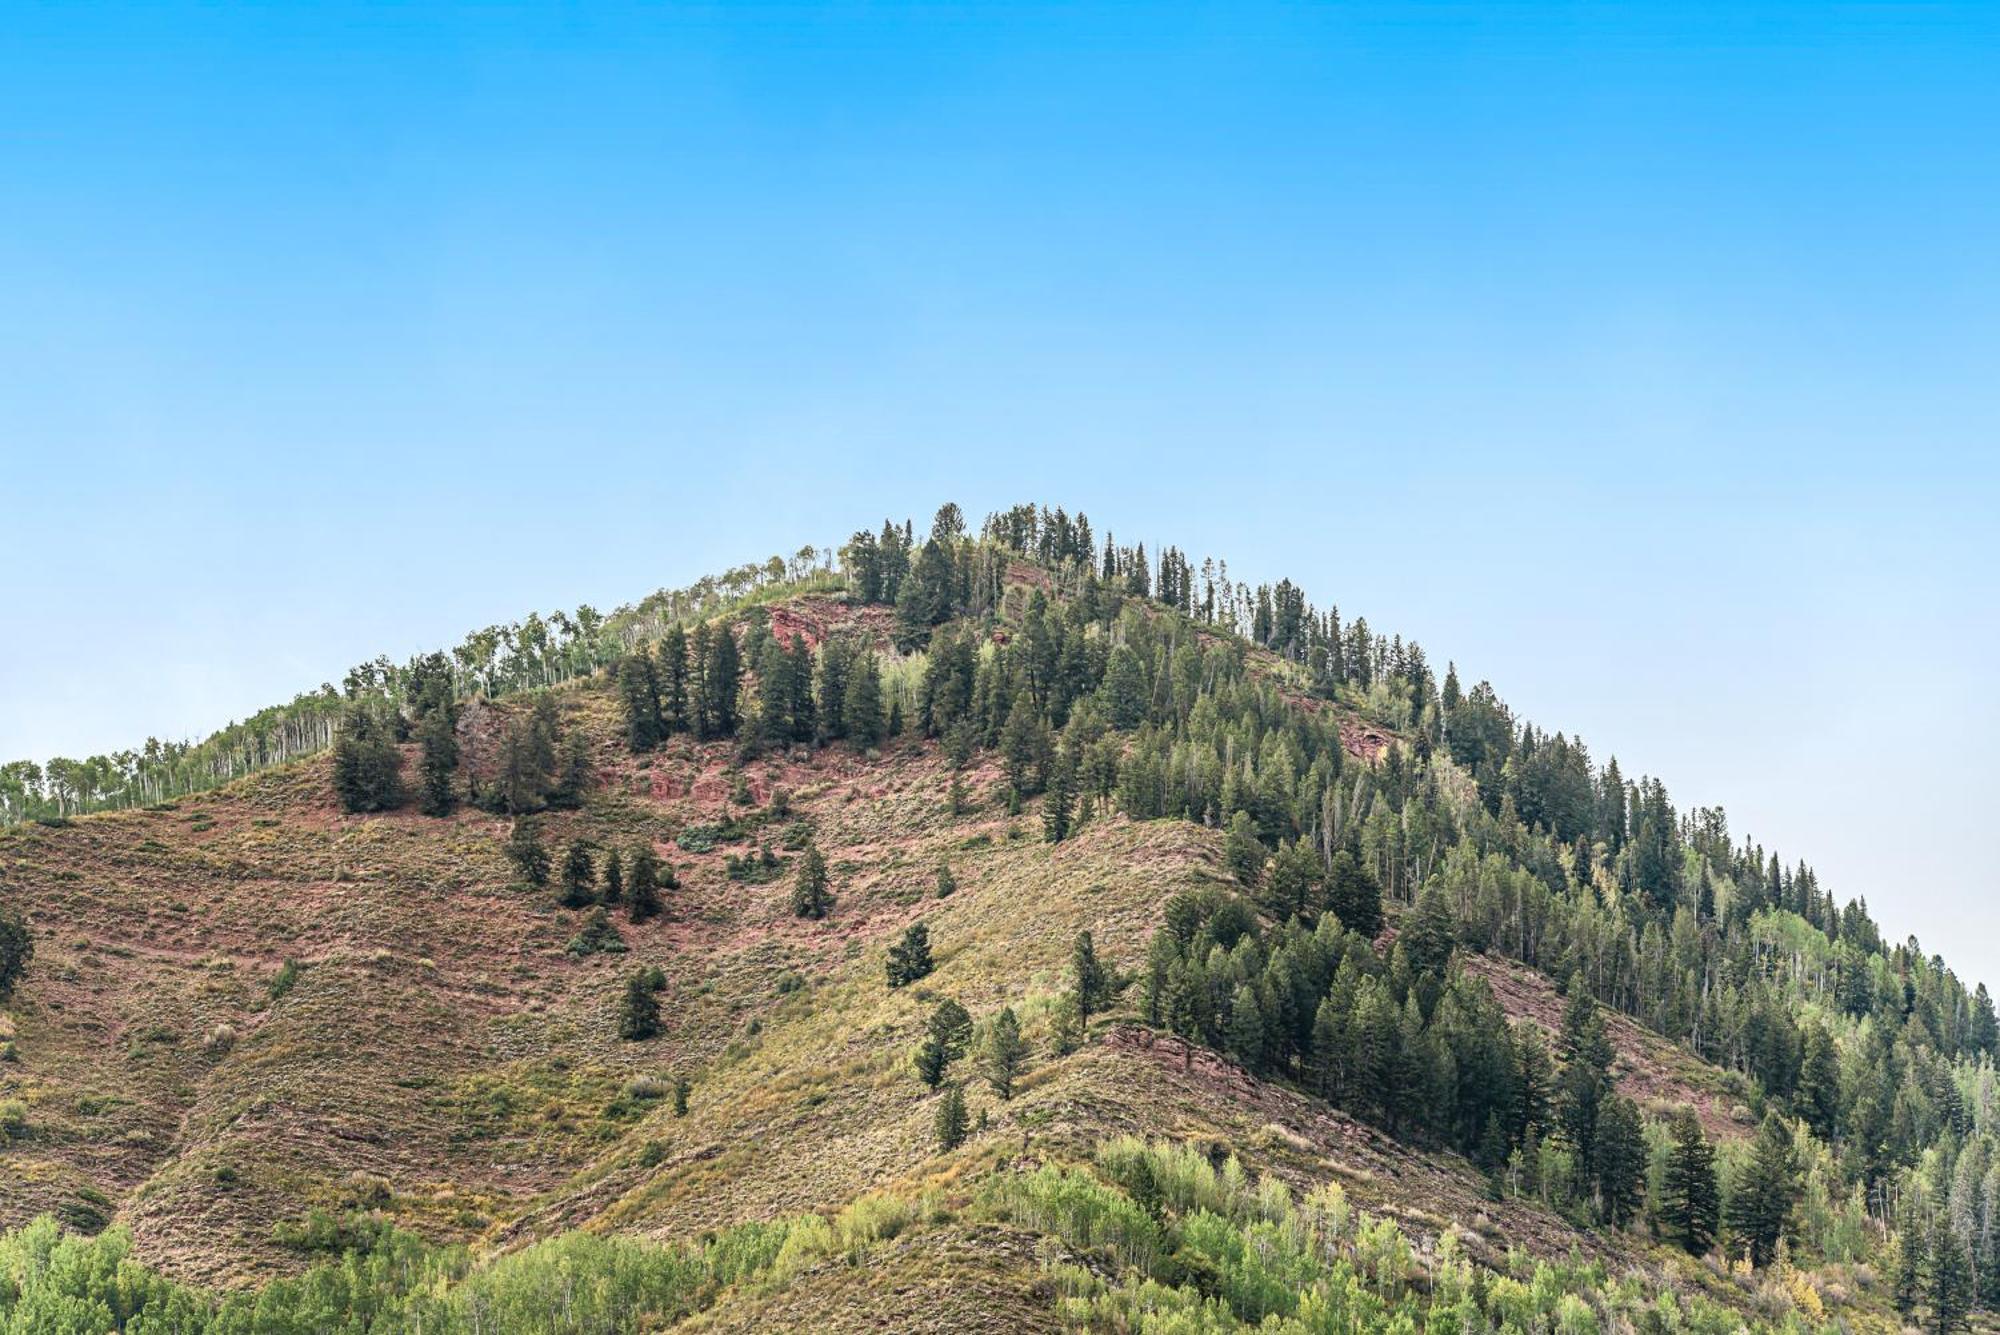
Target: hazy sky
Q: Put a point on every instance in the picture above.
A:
(1644, 362)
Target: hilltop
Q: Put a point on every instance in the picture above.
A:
(1342, 994)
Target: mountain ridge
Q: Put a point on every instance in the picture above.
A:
(408, 933)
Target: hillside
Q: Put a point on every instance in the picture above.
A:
(260, 1030)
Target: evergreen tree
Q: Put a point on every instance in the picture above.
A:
(1620, 1160)
(1065, 1025)
(712, 690)
(1818, 1098)
(573, 772)
(1534, 1083)
(682, 1088)
(931, 1061)
(672, 672)
(17, 948)
(1024, 747)
(639, 1014)
(614, 878)
(1003, 1053)
(1586, 1075)
(1354, 895)
(639, 694)
(1243, 851)
(529, 856)
(951, 1123)
(1090, 982)
(862, 709)
(810, 898)
(579, 877)
(951, 1026)
(1124, 690)
(438, 735)
(947, 884)
(1947, 1280)
(1245, 1037)
(644, 889)
(1912, 1259)
(1692, 1208)
(910, 958)
(1059, 800)
(1427, 937)
(366, 764)
(1760, 1208)
(1292, 884)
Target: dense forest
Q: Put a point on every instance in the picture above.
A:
(1101, 679)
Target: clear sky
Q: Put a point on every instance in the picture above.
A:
(1643, 358)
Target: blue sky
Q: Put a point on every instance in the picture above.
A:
(1645, 359)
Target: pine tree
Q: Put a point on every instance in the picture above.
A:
(1692, 1208)
(438, 735)
(1620, 1160)
(1065, 1025)
(1760, 1209)
(529, 856)
(862, 709)
(573, 772)
(17, 949)
(366, 763)
(1947, 1280)
(644, 889)
(1245, 1037)
(1428, 936)
(614, 878)
(947, 884)
(1585, 1080)
(931, 1061)
(951, 1026)
(1003, 1053)
(1090, 983)
(951, 1123)
(673, 682)
(1124, 690)
(1912, 1257)
(1024, 747)
(810, 898)
(1292, 885)
(910, 958)
(1059, 800)
(639, 1015)
(1243, 851)
(579, 877)
(639, 694)
(1354, 895)
(1818, 1098)
(682, 1088)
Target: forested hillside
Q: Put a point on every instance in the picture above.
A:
(1006, 930)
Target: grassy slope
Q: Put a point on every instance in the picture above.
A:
(443, 1047)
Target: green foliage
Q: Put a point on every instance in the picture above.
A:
(810, 896)
(910, 958)
(285, 979)
(1692, 1208)
(579, 877)
(598, 936)
(1003, 1052)
(17, 949)
(1765, 1191)
(528, 854)
(367, 767)
(639, 1011)
(642, 891)
(951, 1122)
